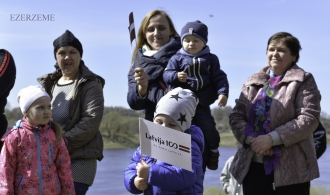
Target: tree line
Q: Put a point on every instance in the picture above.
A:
(120, 126)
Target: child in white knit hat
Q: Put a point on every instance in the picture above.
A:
(175, 110)
(34, 158)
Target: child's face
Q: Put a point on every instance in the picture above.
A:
(166, 121)
(39, 112)
(192, 44)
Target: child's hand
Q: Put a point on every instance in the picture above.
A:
(143, 169)
(182, 76)
(222, 100)
(140, 183)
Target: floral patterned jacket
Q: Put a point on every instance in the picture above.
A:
(32, 163)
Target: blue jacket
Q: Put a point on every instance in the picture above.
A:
(168, 179)
(154, 66)
(205, 77)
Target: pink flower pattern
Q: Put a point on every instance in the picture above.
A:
(19, 162)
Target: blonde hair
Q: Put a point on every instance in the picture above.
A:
(58, 131)
(141, 37)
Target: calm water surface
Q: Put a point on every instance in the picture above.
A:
(110, 180)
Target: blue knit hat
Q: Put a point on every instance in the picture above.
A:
(197, 29)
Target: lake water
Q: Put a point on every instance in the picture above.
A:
(109, 176)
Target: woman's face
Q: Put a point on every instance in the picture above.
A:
(68, 58)
(279, 57)
(158, 32)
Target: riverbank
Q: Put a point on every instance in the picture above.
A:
(109, 177)
(227, 140)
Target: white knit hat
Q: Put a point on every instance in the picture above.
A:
(179, 104)
(28, 95)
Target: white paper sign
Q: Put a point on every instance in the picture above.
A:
(165, 144)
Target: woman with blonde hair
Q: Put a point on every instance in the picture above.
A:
(157, 42)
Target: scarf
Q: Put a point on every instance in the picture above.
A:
(259, 120)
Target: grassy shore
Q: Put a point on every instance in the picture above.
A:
(315, 190)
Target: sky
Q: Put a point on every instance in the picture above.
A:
(238, 35)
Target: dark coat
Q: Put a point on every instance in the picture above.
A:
(84, 140)
(154, 67)
(205, 77)
(7, 81)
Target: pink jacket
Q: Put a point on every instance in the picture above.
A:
(32, 163)
(294, 115)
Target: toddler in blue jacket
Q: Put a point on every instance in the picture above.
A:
(174, 110)
(194, 67)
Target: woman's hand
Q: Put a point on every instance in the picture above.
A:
(182, 77)
(141, 79)
(267, 153)
(261, 144)
(222, 100)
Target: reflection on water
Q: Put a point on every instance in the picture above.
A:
(109, 176)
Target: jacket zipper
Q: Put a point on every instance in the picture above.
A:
(194, 70)
(39, 159)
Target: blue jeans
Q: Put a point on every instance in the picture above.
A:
(80, 188)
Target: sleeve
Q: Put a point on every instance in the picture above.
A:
(175, 178)
(219, 77)
(91, 117)
(225, 176)
(307, 112)
(170, 74)
(238, 117)
(8, 161)
(320, 140)
(63, 167)
(130, 173)
(134, 100)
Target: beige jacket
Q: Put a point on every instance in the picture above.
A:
(294, 113)
(84, 139)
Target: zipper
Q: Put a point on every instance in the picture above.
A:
(39, 159)
(199, 72)
(194, 69)
(50, 157)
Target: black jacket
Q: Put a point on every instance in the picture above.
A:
(154, 67)
(7, 81)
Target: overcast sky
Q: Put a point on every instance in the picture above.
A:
(238, 34)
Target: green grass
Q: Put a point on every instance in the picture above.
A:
(227, 139)
(315, 190)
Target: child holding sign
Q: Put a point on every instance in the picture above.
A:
(175, 110)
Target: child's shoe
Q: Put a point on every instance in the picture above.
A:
(213, 161)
